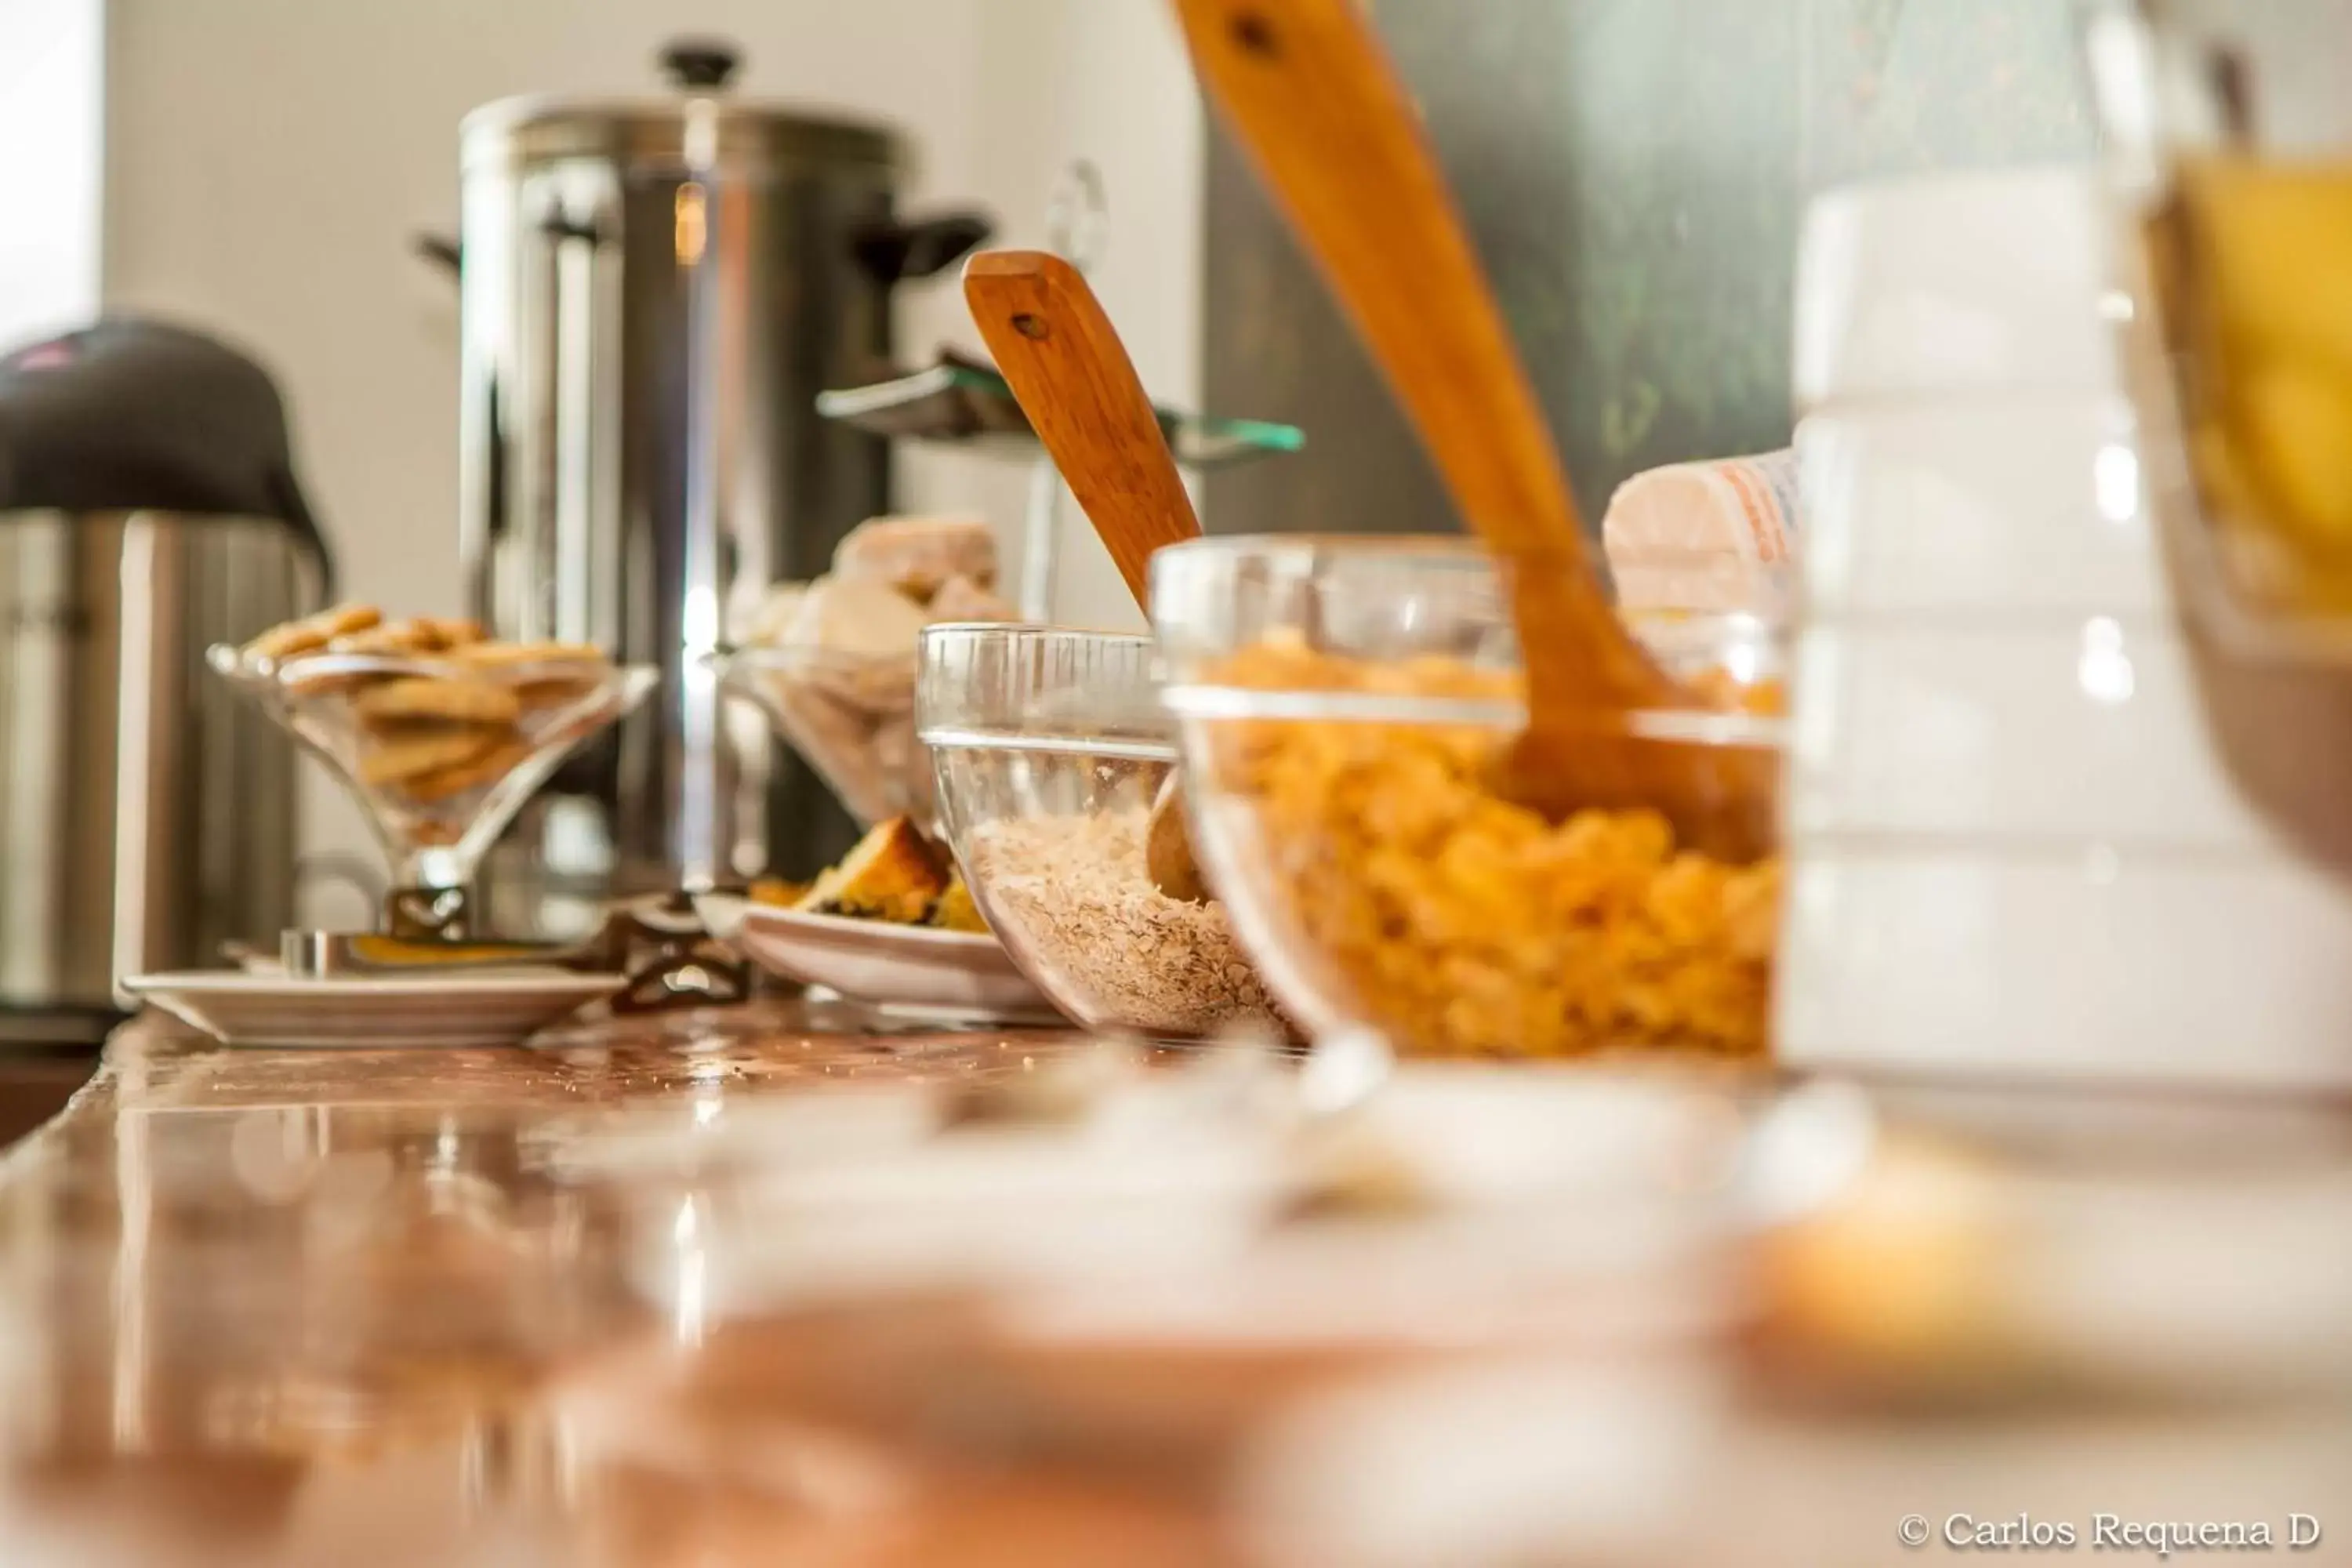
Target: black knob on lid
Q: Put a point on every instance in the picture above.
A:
(699, 63)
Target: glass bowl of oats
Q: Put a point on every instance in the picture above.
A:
(1049, 746)
(1341, 704)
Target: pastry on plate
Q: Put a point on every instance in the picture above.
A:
(916, 555)
(955, 910)
(894, 874)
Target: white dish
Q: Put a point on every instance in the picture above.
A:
(2142, 967)
(2017, 507)
(2086, 728)
(1952, 286)
(446, 1010)
(945, 974)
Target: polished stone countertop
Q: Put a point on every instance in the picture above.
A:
(389, 1308)
(294, 1306)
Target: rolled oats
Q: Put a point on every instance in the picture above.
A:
(1073, 894)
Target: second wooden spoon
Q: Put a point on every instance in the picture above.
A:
(1311, 97)
(1057, 350)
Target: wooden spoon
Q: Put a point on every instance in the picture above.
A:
(1309, 93)
(1059, 353)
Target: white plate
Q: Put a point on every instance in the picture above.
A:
(445, 1010)
(950, 972)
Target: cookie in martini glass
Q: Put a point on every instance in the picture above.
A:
(439, 732)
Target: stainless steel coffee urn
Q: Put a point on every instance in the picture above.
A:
(654, 291)
(148, 509)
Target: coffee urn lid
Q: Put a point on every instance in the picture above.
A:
(698, 122)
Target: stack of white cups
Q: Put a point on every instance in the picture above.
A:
(2013, 851)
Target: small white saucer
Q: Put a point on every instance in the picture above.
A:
(447, 1010)
(917, 971)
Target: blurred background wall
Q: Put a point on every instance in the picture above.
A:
(51, 54)
(269, 162)
(1634, 171)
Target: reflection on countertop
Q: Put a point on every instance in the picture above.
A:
(35, 1084)
(349, 1308)
(287, 1306)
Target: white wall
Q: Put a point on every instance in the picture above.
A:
(1106, 80)
(266, 162)
(50, 117)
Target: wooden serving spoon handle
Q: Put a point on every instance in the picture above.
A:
(1057, 350)
(1313, 98)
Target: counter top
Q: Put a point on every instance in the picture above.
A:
(279, 1308)
(232, 1278)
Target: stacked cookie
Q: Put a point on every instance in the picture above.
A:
(431, 711)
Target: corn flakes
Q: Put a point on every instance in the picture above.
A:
(1465, 924)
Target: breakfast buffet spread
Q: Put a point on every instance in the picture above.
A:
(1442, 1050)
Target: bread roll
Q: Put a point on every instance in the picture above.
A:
(916, 555)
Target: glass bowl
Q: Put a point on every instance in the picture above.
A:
(1049, 747)
(2227, 144)
(440, 754)
(1340, 703)
(850, 715)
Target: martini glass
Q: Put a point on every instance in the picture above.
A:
(850, 715)
(439, 751)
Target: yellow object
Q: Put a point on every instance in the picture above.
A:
(955, 910)
(1905, 1268)
(2293, 422)
(2254, 260)
(894, 874)
(2267, 250)
(1465, 924)
(775, 890)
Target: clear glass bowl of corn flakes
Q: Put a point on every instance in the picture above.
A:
(1341, 703)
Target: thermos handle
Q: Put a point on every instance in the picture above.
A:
(449, 255)
(896, 250)
(439, 249)
(890, 250)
